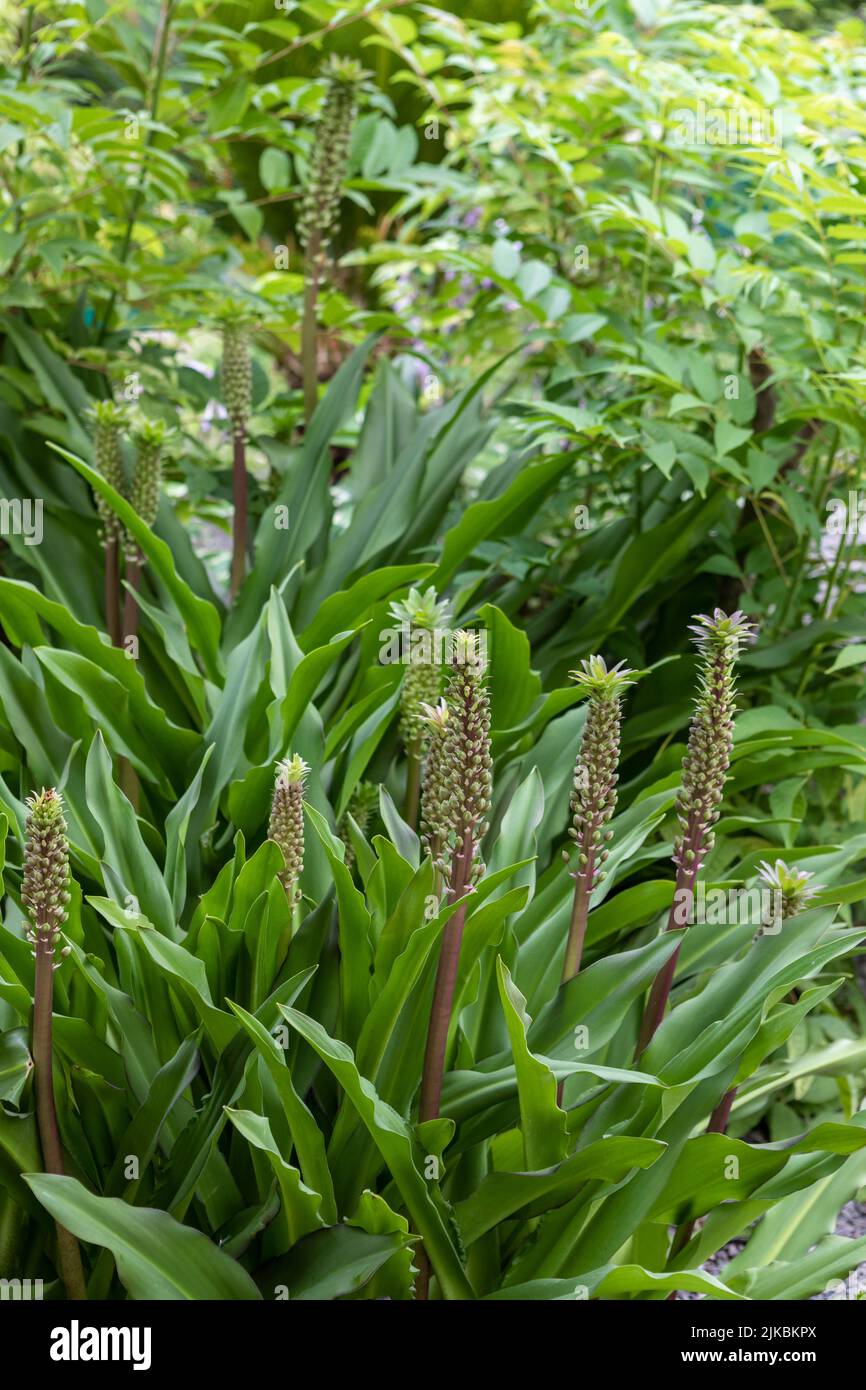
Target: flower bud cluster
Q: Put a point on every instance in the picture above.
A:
(286, 825)
(319, 209)
(236, 372)
(45, 884)
(705, 766)
(466, 763)
(110, 420)
(593, 797)
(147, 476)
(422, 678)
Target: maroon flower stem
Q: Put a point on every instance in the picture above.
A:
(718, 1123)
(446, 980)
(577, 929)
(241, 505)
(68, 1253)
(663, 982)
(583, 880)
(129, 782)
(111, 556)
(130, 603)
(440, 1017)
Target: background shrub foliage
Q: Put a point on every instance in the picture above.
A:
(497, 327)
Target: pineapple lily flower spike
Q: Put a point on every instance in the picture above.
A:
(593, 797)
(144, 495)
(364, 801)
(320, 207)
(45, 895)
(236, 376)
(435, 797)
(456, 801)
(286, 825)
(463, 800)
(423, 620)
(705, 769)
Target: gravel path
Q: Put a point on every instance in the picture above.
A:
(851, 1223)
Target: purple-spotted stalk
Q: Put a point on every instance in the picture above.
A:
(456, 799)
(320, 208)
(593, 796)
(705, 769)
(236, 375)
(45, 895)
(110, 420)
(466, 785)
(423, 623)
(792, 891)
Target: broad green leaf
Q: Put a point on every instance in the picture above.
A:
(393, 1138)
(156, 1257)
(124, 848)
(330, 1264)
(501, 1195)
(542, 1122)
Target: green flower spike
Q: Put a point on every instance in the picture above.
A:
(45, 884)
(708, 757)
(45, 895)
(705, 770)
(424, 621)
(286, 825)
(464, 777)
(466, 759)
(435, 794)
(236, 368)
(150, 439)
(363, 803)
(110, 421)
(329, 157)
(593, 797)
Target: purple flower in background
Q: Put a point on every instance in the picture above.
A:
(213, 412)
